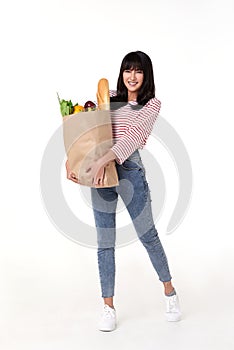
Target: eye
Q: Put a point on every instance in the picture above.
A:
(140, 71)
(127, 71)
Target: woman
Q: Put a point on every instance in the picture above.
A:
(134, 110)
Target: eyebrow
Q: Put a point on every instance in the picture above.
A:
(133, 68)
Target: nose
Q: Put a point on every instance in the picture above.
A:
(133, 74)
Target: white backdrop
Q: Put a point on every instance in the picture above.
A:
(49, 284)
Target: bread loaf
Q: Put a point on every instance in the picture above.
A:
(103, 96)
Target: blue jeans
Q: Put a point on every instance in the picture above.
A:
(135, 194)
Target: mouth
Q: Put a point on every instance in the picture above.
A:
(132, 83)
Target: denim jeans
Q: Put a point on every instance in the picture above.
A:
(134, 191)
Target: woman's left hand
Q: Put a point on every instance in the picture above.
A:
(97, 168)
(97, 173)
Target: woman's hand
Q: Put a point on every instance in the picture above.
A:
(97, 173)
(70, 175)
(97, 168)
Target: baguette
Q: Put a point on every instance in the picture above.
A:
(103, 95)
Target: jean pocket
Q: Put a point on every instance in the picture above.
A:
(131, 165)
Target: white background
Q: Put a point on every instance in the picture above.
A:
(49, 294)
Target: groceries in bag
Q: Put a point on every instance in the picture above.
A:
(88, 136)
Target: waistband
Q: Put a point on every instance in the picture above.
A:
(135, 156)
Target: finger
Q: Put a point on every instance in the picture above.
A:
(101, 180)
(73, 178)
(98, 181)
(70, 177)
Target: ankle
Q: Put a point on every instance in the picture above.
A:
(170, 294)
(168, 288)
(109, 302)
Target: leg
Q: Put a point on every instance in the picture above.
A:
(168, 288)
(104, 203)
(137, 199)
(138, 203)
(109, 302)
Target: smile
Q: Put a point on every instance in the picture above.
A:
(132, 83)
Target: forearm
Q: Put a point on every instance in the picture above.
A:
(108, 157)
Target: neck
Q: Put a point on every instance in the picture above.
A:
(132, 96)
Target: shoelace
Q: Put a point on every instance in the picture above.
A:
(172, 303)
(107, 312)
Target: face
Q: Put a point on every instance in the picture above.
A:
(133, 80)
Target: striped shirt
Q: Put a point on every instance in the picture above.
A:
(131, 128)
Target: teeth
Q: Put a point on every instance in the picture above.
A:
(131, 83)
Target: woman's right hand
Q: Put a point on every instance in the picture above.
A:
(70, 175)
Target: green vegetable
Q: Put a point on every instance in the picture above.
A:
(66, 107)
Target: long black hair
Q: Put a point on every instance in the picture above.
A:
(137, 60)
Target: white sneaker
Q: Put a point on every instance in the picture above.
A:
(107, 322)
(173, 312)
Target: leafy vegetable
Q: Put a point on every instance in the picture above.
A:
(66, 107)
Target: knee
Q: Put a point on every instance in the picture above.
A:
(106, 254)
(106, 237)
(150, 237)
(104, 250)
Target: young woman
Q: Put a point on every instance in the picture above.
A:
(134, 109)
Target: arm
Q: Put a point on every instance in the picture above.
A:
(112, 93)
(97, 169)
(139, 131)
(70, 175)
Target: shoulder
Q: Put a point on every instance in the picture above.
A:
(112, 93)
(153, 104)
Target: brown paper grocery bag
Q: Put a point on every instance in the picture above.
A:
(87, 137)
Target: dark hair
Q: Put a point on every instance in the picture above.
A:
(137, 60)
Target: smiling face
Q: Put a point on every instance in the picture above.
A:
(133, 80)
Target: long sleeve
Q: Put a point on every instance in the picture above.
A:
(138, 132)
(112, 93)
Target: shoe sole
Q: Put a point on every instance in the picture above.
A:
(173, 320)
(106, 330)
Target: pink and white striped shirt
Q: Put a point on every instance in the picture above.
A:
(131, 128)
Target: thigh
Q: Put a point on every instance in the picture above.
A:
(134, 191)
(104, 202)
